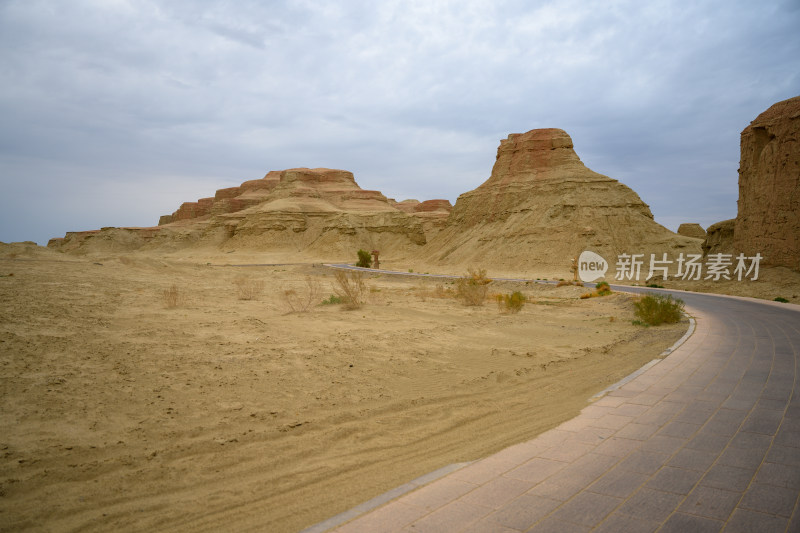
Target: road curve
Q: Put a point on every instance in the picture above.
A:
(707, 439)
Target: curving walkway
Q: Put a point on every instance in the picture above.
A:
(707, 439)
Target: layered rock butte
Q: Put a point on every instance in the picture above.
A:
(319, 211)
(768, 218)
(542, 206)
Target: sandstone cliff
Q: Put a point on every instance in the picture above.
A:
(768, 219)
(541, 207)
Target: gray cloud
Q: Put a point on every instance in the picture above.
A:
(117, 111)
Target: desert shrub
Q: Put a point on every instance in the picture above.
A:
(301, 299)
(332, 300)
(173, 297)
(350, 287)
(781, 299)
(601, 289)
(472, 288)
(364, 259)
(511, 303)
(247, 288)
(655, 309)
(564, 283)
(655, 286)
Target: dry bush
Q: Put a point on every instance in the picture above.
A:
(350, 287)
(601, 289)
(472, 288)
(173, 297)
(564, 283)
(511, 303)
(301, 299)
(247, 288)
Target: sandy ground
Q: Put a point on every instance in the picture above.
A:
(119, 413)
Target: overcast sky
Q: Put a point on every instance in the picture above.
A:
(114, 112)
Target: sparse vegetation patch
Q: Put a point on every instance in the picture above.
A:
(656, 309)
(511, 303)
(472, 288)
(350, 287)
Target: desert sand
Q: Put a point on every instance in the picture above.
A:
(120, 413)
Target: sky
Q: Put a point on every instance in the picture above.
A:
(114, 112)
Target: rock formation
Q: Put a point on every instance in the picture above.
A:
(719, 238)
(541, 207)
(695, 231)
(768, 219)
(319, 211)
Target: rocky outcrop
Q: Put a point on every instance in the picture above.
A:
(541, 207)
(719, 238)
(768, 219)
(695, 231)
(301, 210)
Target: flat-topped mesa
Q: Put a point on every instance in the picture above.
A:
(539, 154)
(768, 219)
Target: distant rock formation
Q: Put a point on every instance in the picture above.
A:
(322, 211)
(768, 219)
(541, 207)
(695, 231)
(719, 238)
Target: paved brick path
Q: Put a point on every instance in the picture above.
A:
(706, 440)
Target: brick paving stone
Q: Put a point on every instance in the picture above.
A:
(536, 470)
(663, 444)
(568, 451)
(728, 477)
(684, 523)
(644, 462)
(497, 492)
(763, 421)
(742, 457)
(586, 509)
(711, 502)
(779, 475)
(708, 442)
(680, 429)
(769, 499)
(744, 521)
(523, 512)
(637, 431)
(751, 441)
(617, 447)
(438, 493)
(551, 525)
(455, 516)
(783, 455)
(693, 459)
(618, 482)
(622, 523)
(675, 480)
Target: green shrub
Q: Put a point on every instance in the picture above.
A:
(332, 300)
(781, 300)
(655, 309)
(511, 303)
(364, 259)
